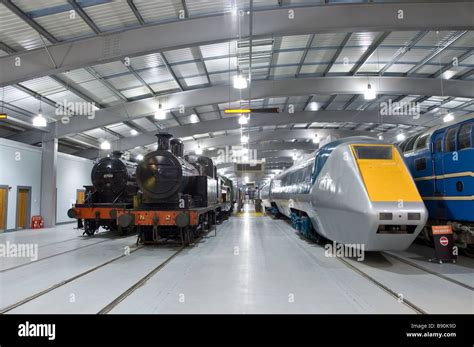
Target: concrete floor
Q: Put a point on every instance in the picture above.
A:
(253, 265)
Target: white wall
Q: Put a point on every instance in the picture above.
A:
(72, 173)
(20, 165)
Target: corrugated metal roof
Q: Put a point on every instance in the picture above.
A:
(288, 57)
(295, 41)
(164, 86)
(101, 92)
(147, 61)
(219, 49)
(155, 75)
(189, 69)
(135, 92)
(78, 76)
(63, 27)
(329, 39)
(180, 55)
(16, 33)
(124, 82)
(43, 85)
(155, 11)
(112, 15)
(110, 69)
(223, 64)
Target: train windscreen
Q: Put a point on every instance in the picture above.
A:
(373, 152)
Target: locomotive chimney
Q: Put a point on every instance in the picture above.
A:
(163, 141)
(177, 147)
(116, 154)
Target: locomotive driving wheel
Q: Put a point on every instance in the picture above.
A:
(90, 227)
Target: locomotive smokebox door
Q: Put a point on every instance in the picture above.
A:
(444, 244)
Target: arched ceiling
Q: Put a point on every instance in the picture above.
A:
(311, 59)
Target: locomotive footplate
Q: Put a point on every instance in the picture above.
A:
(150, 217)
(97, 211)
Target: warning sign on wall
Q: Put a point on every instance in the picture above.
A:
(444, 242)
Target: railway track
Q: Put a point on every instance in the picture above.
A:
(115, 302)
(66, 281)
(412, 306)
(52, 255)
(391, 292)
(109, 307)
(422, 268)
(142, 281)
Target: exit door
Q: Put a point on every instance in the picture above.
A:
(3, 208)
(23, 207)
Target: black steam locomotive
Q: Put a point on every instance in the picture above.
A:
(179, 196)
(113, 189)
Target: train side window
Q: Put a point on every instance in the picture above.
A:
(411, 143)
(421, 143)
(464, 137)
(420, 164)
(450, 142)
(438, 145)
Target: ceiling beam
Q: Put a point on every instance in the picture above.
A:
(265, 119)
(266, 89)
(200, 31)
(254, 138)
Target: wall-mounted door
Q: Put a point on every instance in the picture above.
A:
(3, 208)
(23, 207)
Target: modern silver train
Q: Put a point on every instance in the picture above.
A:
(356, 190)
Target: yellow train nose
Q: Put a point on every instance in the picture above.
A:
(385, 176)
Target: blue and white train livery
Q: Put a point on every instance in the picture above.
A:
(356, 190)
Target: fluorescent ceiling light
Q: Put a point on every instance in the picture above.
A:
(160, 114)
(39, 121)
(105, 145)
(240, 82)
(133, 132)
(243, 120)
(369, 93)
(139, 157)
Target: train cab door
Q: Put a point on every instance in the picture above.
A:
(438, 167)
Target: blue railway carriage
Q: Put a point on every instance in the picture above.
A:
(441, 162)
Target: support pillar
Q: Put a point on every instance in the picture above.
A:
(48, 204)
